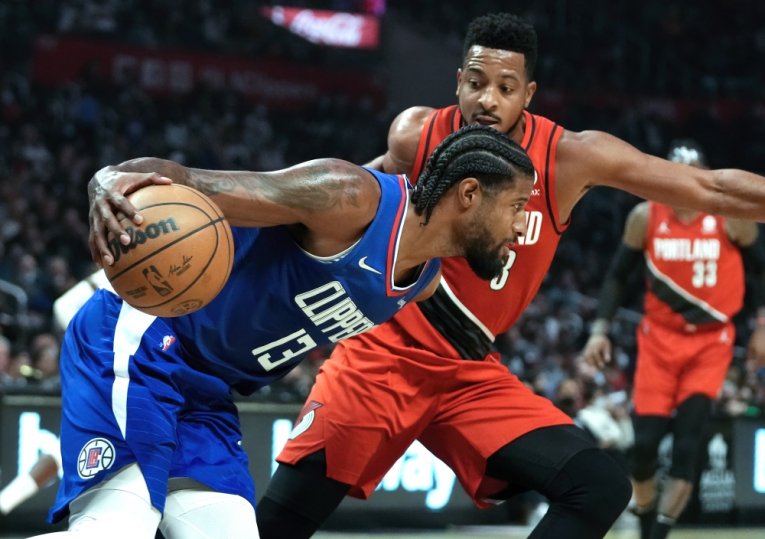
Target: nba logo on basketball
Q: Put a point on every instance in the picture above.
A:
(96, 455)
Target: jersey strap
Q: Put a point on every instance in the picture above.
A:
(452, 323)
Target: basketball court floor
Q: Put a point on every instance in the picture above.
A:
(624, 528)
(521, 532)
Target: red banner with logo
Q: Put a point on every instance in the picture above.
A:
(331, 28)
(276, 83)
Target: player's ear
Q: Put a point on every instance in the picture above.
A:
(469, 192)
(459, 78)
(531, 89)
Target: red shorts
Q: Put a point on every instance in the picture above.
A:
(674, 364)
(379, 392)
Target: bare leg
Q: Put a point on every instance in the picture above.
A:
(674, 497)
(645, 501)
(645, 492)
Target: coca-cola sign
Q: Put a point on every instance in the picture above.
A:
(333, 28)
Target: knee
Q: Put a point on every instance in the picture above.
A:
(610, 487)
(692, 416)
(117, 507)
(203, 514)
(686, 452)
(647, 439)
(594, 485)
(649, 431)
(645, 461)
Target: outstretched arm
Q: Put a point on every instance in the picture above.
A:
(590, 158)
(316, 194)
(597, 351)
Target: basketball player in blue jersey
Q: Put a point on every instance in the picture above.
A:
(324, 250)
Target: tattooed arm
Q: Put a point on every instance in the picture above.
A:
(317, 194)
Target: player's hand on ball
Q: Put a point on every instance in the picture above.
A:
(178, 258)
(597, 351)
(107, 192)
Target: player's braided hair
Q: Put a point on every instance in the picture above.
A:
(475, 151)
(503, 31)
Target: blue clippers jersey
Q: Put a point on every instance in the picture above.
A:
(280, 302)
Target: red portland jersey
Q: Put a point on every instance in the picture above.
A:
(694, 274)
(495, 305)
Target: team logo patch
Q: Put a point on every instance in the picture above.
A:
(307, 415)
(96, 455)
(709, 225)
(167, 341)
(724, 337)
(363, 265)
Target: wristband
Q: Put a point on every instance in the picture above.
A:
(600, 327)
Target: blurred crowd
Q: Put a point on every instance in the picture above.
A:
(678, 82)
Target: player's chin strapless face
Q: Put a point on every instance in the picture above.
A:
(492, 88)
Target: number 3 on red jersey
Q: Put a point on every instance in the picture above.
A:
(498, 282)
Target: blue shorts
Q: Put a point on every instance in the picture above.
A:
(129, 396)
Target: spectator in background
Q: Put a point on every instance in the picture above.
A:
(5, 362)
(695, 285)
(44, 354)
(20, 367)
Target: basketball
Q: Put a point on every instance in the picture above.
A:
(178, 259)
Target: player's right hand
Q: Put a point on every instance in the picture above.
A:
(597, 351)
(107, 192)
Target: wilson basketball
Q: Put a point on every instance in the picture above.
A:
(179, 258)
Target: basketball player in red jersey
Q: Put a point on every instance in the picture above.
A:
(694, 285)
(430, 374)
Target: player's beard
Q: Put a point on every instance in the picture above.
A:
(483, 257)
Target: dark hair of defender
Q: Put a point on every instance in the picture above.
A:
(506, 32)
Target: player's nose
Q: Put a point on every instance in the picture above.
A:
(488, 99)
(519, 223)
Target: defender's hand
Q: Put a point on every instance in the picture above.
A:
(597, 351)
